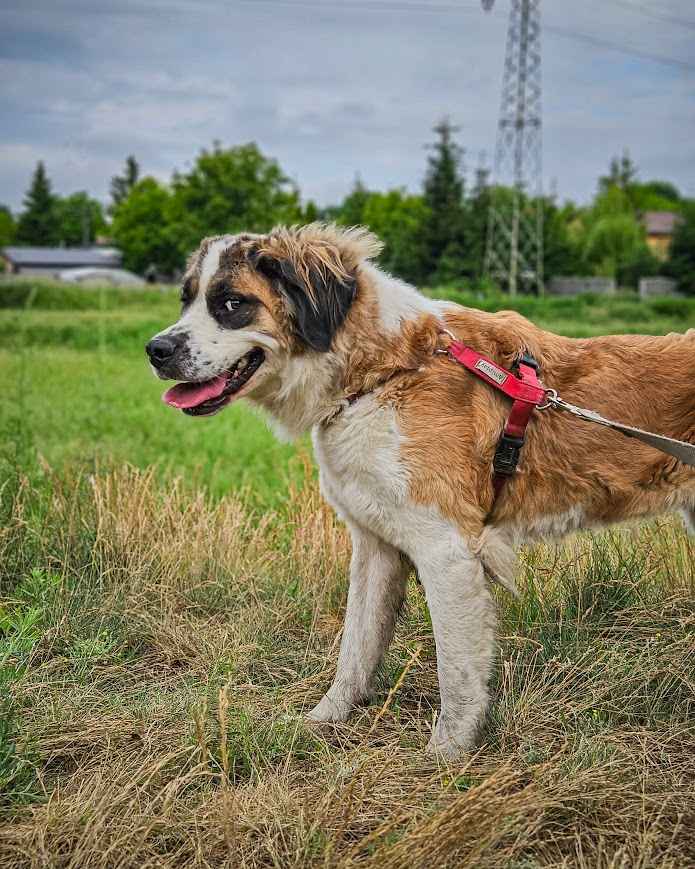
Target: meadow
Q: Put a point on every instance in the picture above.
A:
(171, 594)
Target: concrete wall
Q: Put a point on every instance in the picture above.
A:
(656, 287)
(573, 286)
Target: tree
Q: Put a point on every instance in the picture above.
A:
(613, 242)
(642, 264)
(681, 264)
(444, 227)
(398, 218)
(80, 219)
(310, 212)
(38, 223)
(613, 235)
(477, 216)
(655, 196)
(664, 189)
(622, 173)
(561, 253)
(351, 211)
(7, 226)
(141, 228)
(230, 190)
(121, 185)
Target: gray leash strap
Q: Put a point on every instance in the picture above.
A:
(681, 450)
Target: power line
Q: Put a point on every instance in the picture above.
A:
(563, 32)
(369, 5)
(656, 16)
(615, 46)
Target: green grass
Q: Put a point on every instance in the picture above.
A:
(85, 397)
(87, 409)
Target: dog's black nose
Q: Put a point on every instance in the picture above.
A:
(160, 350)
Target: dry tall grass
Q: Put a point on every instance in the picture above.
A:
(159, 650)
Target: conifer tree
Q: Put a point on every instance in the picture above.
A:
(38, 222)
(121, 185)
(444, 188)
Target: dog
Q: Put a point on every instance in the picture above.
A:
(303, 324)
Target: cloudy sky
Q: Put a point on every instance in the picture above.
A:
(332, 88)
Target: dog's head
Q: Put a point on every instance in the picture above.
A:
(249, 301)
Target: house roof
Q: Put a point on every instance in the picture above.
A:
(660, 222)
(63, 257)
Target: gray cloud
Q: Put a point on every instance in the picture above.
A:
(329, 89)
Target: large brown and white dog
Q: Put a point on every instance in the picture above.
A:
(301, 323)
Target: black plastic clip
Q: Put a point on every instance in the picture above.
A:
(526, 359)
(507, 455)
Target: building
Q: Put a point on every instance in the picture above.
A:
(659, 227)
(48, 262)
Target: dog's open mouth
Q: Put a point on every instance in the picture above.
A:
(210, 396)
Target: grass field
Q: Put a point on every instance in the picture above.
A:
(171, 591)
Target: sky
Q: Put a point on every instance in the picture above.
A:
(335, 88)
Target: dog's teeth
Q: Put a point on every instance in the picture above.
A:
(242, 364)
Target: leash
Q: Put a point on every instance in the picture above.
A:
(681, 450)
(527, 393)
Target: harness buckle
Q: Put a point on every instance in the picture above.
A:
(507, 455)
(527, 359)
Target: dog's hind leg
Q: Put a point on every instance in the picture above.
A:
(378, 575)
(689, 518)
(463, 619)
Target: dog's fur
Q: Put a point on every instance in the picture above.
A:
(407, 460)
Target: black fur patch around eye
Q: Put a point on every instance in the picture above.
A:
(243, 310)
(318, 311)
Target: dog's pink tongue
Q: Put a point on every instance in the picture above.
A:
(192, 394)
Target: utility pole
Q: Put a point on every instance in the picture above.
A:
(514, 251)
(86, 227)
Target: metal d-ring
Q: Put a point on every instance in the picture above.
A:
(550, 399)
(451, 335)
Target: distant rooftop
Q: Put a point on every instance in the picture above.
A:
(660, 222)
(62, 257)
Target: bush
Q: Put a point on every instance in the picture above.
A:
(673, 306)
(55, 296)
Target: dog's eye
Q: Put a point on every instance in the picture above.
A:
(231, 310)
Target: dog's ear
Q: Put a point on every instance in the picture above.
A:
(316, 286)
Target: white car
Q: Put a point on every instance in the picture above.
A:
(103, 276)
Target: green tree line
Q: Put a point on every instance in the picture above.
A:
(435, 236)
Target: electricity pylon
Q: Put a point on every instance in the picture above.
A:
(514, 251)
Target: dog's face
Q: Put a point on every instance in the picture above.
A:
(248, 302)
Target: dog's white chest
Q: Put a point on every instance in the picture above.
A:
(362, 475)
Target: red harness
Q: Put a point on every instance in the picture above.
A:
(526, 393)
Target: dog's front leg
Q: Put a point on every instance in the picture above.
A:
(378, 575)
(463, 620)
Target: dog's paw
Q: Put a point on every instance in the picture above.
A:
(328, 710)
(451, 740)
